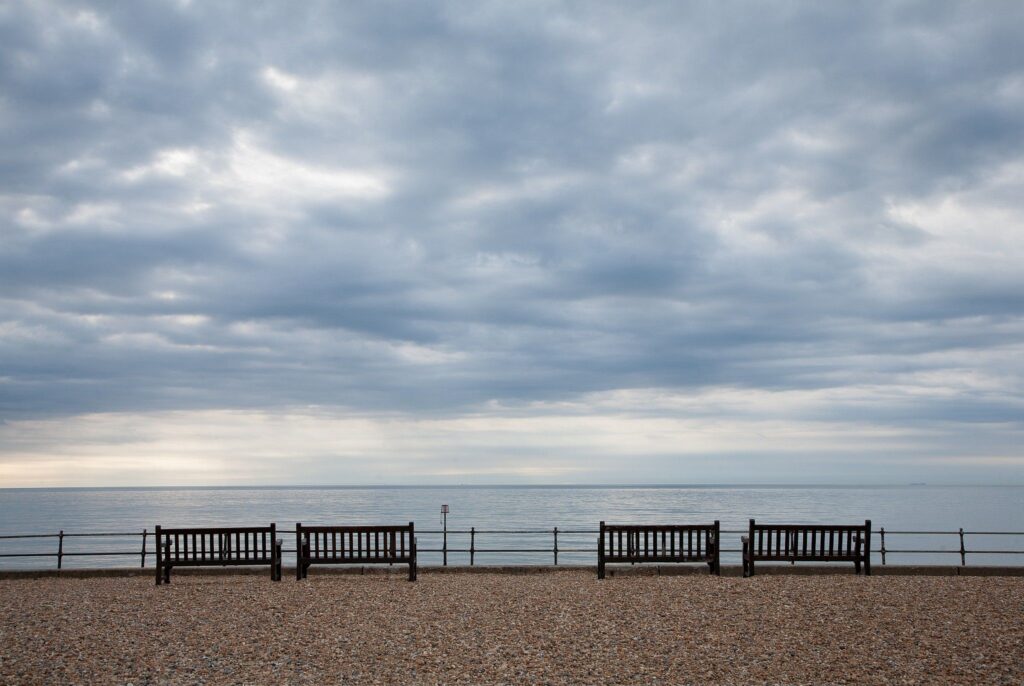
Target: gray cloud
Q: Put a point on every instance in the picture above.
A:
(432, 209)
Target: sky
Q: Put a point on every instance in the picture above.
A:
(511, 242)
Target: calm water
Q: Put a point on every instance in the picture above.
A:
(912, 508)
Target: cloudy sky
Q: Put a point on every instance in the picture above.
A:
(511, 242)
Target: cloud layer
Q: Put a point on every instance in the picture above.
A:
(580, 220)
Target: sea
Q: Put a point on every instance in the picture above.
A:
(510, 525)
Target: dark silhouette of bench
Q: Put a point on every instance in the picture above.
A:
(808, 543)
(640, 543)
(220, 546)
(353, 545)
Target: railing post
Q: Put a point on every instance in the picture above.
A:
(444, 541)
(556, 546)
(60, 548)
(143, 548)
(472, 544)
(963, 552)
(882, 532)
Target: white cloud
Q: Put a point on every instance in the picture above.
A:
(260, 176)
(617, 438)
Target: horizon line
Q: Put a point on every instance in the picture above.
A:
(519, 485)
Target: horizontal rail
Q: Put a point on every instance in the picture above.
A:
(968, 551)
(924, 533)
(102, 552)
(506, 531)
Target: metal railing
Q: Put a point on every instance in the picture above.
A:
(551, 547)
(963, 551)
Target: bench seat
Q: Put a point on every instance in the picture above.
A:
(665, 543)
(807, 543)
(350, 545)
(217, 547)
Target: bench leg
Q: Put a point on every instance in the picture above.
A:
(302, 560)
(748, 559)
(412, 554)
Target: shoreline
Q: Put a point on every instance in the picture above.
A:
(763, 569)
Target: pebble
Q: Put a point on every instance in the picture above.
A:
(554, 628)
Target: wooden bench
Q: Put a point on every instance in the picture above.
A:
(353, 545)
(808, 543)
(638, 543)
(210, 547)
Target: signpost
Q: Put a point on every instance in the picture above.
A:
(444, 545)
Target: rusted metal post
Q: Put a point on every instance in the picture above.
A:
(963, 551)
(143, 548)
(60, 548)
(882, 533)
(472, 544)
(556, 546)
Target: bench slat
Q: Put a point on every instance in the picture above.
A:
(356, 527)
(214, 530)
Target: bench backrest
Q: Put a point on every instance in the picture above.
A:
(217, 546)
(658, 542)
(809, 541)
(367, 544)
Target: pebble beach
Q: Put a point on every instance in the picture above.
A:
(550, 628)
